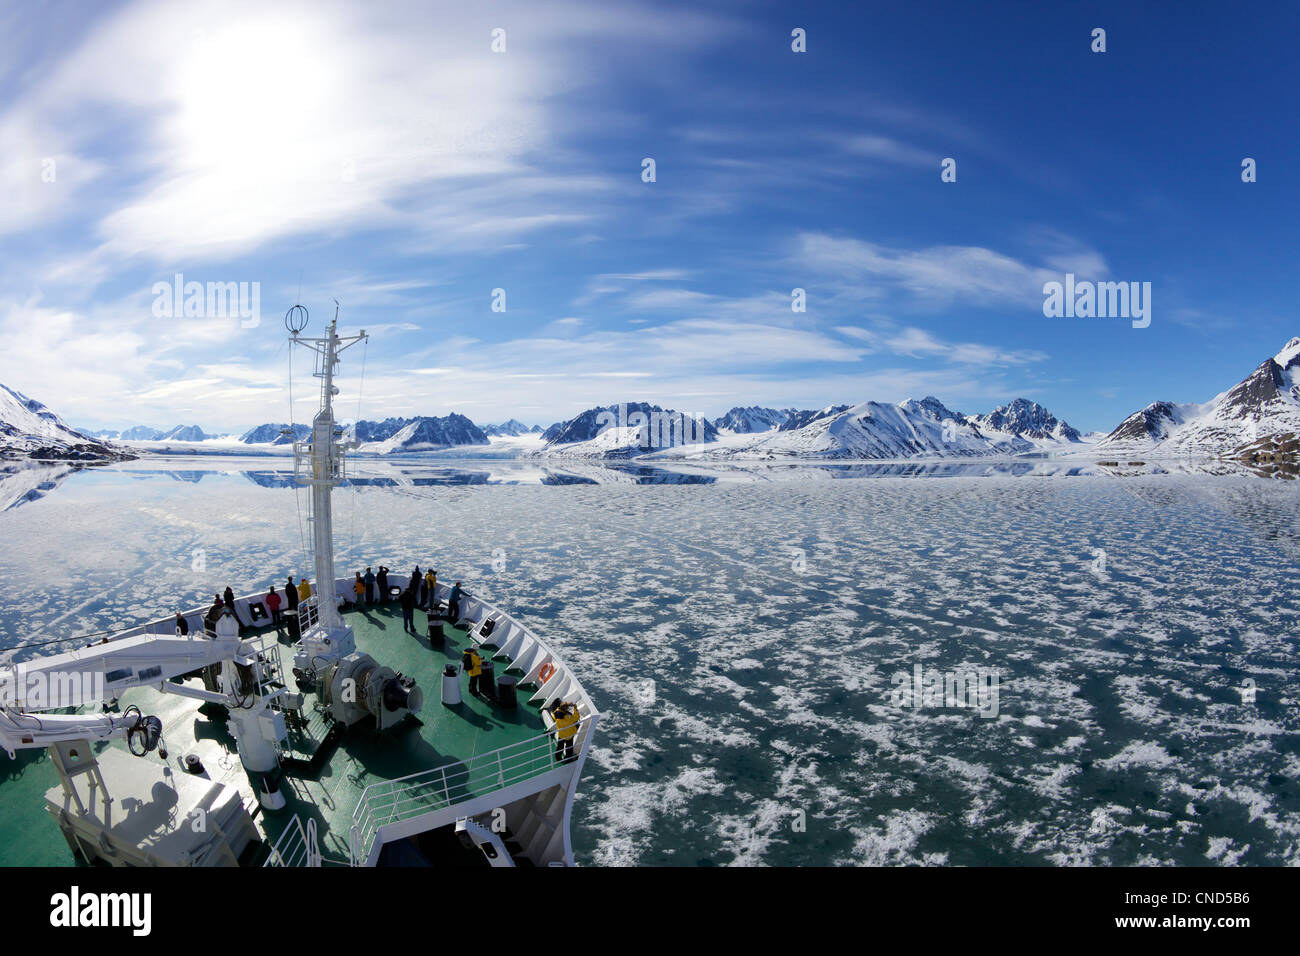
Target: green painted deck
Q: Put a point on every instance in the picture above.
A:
(326, 790)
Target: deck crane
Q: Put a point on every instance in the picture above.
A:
(237, 675)
(153, 814)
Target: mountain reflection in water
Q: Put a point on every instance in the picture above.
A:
(22, 482)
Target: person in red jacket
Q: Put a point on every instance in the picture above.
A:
(273, 605)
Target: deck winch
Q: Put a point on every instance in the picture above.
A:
(358, 686)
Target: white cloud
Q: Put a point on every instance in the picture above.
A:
(890, 150)
(670, 299)
(941, 274)
(912, 341)
(231, 124)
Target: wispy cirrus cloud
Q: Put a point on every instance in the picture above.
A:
(888, 149)
(916, 342)
(935, 275)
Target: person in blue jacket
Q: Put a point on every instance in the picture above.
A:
(453, 604)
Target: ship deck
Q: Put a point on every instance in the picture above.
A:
(324, 786)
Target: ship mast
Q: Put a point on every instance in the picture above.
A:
(319, 463)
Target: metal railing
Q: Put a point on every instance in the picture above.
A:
(297, 846)
(438, 788)
(308, 614)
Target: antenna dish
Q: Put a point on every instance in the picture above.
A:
(295, 320)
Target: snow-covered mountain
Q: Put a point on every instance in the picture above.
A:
(186, 433)
(30, 430)
(144, 433)
(871, 430)
(390, 436)
(141, 433)
(1152, 424)
(423, 433)
(910, 429)
(1266, 403)
(749, 420)
(581, 427)
(273, 434)
(513, 429)
(625, 430)
(1027, 421)
(798, 420)
(874, 430)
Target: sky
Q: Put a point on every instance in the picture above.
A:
(386, 156)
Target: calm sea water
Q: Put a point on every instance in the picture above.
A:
(752, 639)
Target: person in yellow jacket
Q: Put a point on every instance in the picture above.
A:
(566, 728)
(359, 589)
(304, 590)
(473, 665)
(430, 590)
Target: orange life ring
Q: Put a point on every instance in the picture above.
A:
(545, 674)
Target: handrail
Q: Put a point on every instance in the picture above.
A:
(391, 801)
(295, 847)
(504, 620)
(308, 613)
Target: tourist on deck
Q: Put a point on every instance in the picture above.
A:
(565, 715)
(408, 610)
(359, 589)
(430, 585)
(370, 586)
(229, 597)
(304, 590)
(291, 604)
(472, 664)
(382, 580)
(214, 612)
(453, 604)
(415, 583)
(272, 601)
(182, 625)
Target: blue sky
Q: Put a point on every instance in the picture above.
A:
(384, 155)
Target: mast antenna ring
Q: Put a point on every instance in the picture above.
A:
(295, 320)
